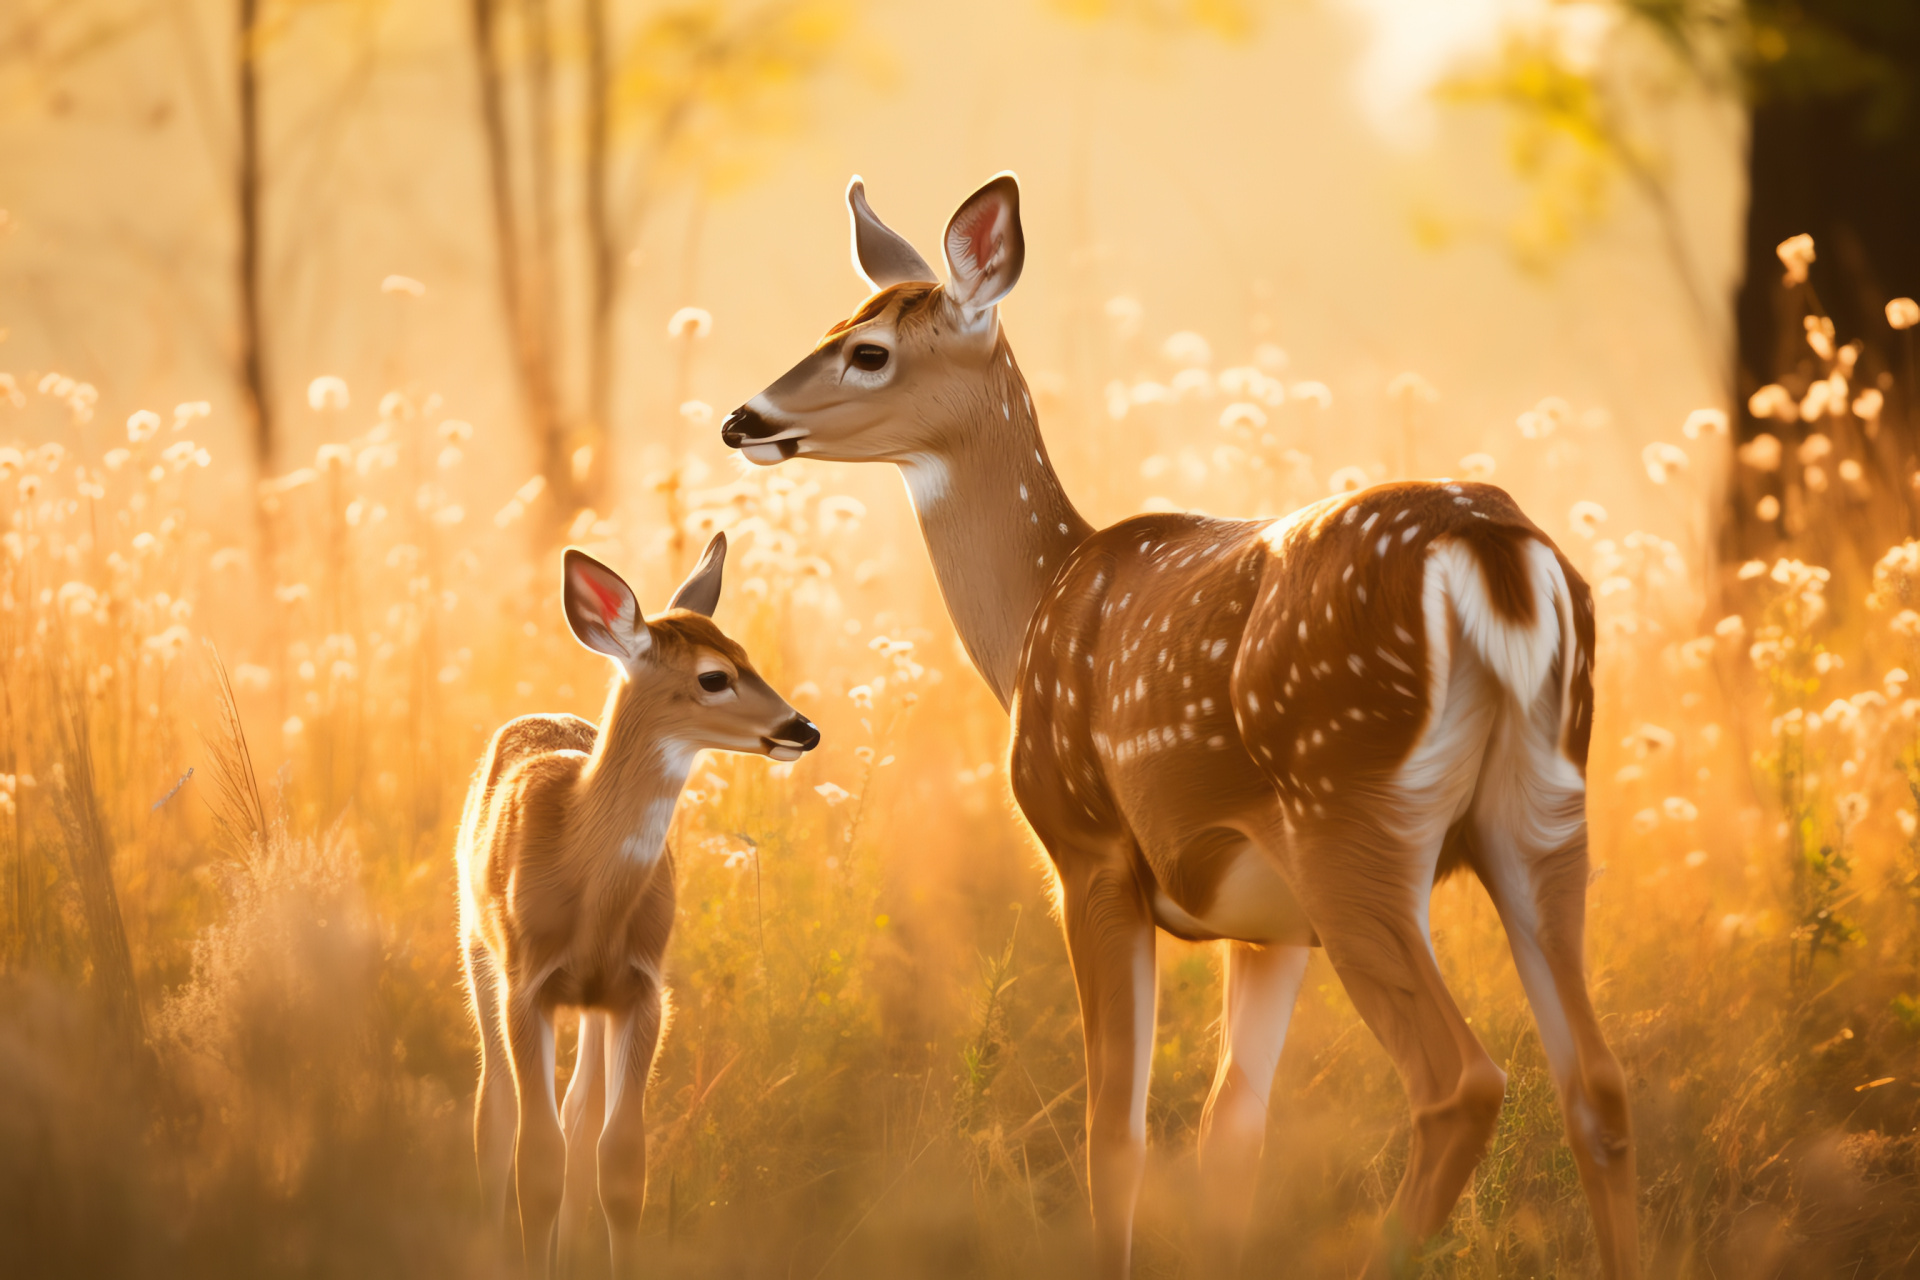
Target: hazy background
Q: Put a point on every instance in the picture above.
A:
(1291, 175)
(253, 648)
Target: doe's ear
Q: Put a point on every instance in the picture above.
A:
(601, 609)
(984, 244)
(881, 255)
(700, 593)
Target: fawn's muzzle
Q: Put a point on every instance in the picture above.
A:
(790, 739)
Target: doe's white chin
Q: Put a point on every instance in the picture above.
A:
(762, 455)
(784, 754)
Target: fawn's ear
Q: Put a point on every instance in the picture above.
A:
(881, 255)
(985, 247)
(602, 610)
(700, 593)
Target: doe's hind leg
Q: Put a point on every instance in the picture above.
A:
(1366, 892)
(1530, 838)
(1262, 983)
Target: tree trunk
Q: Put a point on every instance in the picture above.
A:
(1827, 168)
(247, 202)
(602, 266)
(519, 294)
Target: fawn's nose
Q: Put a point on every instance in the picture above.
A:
(798, 732)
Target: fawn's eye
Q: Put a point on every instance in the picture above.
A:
(714, 681)
(870, 357)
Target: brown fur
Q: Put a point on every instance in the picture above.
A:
(567, 899)
(1213, 723)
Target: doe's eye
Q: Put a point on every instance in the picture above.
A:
(714, 681)
(870, 357)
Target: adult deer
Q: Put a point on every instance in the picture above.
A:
(1274, 732)
(566, 896)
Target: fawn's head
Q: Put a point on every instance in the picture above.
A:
(706, 688)
(899, 377)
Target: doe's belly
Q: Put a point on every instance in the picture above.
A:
(1223, 885)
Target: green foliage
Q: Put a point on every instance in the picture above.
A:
(1226, 19)
(1582, 111)
(702, 85)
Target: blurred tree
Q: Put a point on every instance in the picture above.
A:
(47, 39)
(666, 92)
(1831, 90)
(247, 194)
(1231, 19)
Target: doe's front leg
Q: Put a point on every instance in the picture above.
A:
(1110, 937)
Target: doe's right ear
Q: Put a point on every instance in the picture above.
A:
(601, 609)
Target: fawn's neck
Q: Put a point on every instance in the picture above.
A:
(997, 522)
(633, 778)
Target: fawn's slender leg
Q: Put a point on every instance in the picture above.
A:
(582, 1115)
(539, 1152)
(1261, 985)
(1111, 940)
(631, 1038)
(493, 1118)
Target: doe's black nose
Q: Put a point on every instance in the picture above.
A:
(801, 732)
(743, 426)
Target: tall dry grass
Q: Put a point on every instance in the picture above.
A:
(233, 1039)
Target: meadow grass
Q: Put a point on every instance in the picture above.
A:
(234, 1040)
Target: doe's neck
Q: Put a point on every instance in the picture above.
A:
(997, 522)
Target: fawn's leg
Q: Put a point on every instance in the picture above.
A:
(539, 1152)
(493, 1108)
(631, 1037)
(582, 1114)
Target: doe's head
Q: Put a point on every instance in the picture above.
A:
(712, 695)
(893, 381)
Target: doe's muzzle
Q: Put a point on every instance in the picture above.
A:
(745, 425)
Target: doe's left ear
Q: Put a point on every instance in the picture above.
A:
(984, 245)
(700, 593)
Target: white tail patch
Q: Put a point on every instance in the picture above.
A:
(1520, 657)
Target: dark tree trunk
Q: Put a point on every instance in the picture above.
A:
(523, 293)
(601, 255)
(247, 193)
(1843, 167)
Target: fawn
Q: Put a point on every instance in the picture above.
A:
(567, 896)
